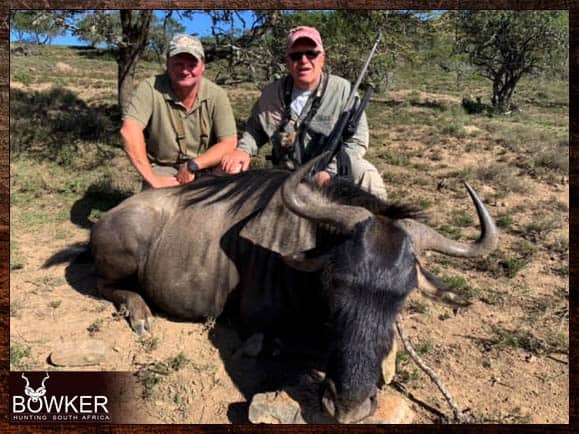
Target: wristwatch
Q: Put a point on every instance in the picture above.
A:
(192, 166)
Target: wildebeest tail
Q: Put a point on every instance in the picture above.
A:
(76, 251)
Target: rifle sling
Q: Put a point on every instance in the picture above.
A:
(305, 122)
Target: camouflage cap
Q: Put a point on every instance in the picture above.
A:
(182, 43)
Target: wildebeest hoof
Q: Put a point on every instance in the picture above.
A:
(142, 326)
(140, 317)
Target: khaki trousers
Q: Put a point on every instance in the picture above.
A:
(366, 176)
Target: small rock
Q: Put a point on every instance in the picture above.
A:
(80, 353)
(274, 408)
(391, 409)
(300, 404)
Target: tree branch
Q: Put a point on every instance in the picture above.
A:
(459, 416)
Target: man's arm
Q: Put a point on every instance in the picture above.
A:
(238, 159)
(134, 140)
(253, 138)
(225, 130)
(210, 158)
(225, 133)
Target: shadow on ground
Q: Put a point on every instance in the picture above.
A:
(98, 198)
(293, 368)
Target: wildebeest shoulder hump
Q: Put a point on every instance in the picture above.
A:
(235, 189)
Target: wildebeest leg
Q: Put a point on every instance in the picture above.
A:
(139, 314)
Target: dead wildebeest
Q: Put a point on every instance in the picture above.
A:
(289, 251)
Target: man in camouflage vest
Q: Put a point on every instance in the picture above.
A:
(178, 122)
(298, 112)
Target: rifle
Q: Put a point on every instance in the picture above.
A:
(348, 121)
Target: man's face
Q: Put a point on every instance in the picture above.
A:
(185, 70)
(305, 72)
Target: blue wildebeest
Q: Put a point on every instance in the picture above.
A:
(287, 249)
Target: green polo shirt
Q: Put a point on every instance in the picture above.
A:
(209, 121)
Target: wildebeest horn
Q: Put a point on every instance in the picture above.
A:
(426, 238)
(306, 202)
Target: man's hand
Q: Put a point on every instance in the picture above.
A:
(322, 177)
(163, 181)
(183, 175)
(236, 161)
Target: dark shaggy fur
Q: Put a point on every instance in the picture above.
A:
(239, 188)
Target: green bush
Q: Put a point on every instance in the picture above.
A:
(511, 266)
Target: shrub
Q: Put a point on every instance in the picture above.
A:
(511, 266)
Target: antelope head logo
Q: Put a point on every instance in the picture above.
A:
(33, 394)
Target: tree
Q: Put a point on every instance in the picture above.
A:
(349, 35)
(506, 45)
(161, 33)
(438, 47)
(242, 40)
(135, 33)
(34, 26)
(99, 27)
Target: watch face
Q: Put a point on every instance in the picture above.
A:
(192, 166)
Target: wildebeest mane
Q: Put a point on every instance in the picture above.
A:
(345, 192)
(238, 189)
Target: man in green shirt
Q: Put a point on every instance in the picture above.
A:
(298, 112)
(178, 122)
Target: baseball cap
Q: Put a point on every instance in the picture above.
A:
(182, 43)
(304, 32)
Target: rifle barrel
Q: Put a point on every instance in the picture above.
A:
(362, 73)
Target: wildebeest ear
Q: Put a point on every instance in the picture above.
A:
(278, 229)
(435, 289)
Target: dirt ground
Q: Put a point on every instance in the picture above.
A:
(504, 358)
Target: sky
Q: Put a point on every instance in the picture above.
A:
(201, 25)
